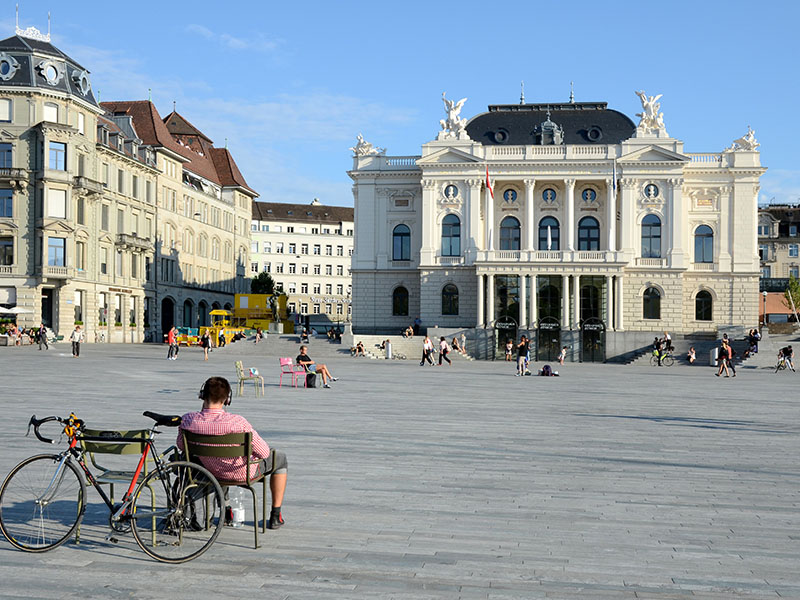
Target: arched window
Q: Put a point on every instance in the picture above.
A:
(400, 302)
(188, 241)
(451, 236)
(509, 234)
(202, 245)
(651, 237)
(703, 245)
(214, 248)
(401, 243)
(588, 234)
(651, 304)
(202, 314)
(703, 306)
(549, 234)
(449, 300)
(188, 314)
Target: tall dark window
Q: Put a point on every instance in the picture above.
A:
(651, 237)
(188, 313)
(58, 156)
(703, 245)
(588, 234)
(55, 251)
(451, 236)
(549, 296)
(509, 234)
(401, 243)
(6, 156)
(449, 300)
(6, 203)
(549, 234)
(6, 251)
(400, 302)
(651, 304)
(703, 306)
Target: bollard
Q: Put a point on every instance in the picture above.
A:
(712, 357)
(388, 351)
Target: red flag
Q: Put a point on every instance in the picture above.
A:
(489, 183)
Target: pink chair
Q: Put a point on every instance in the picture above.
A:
(289, 368)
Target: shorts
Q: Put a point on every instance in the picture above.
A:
(275, 464)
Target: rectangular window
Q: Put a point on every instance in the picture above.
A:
(148, 191)
(120, 221)
(55, 252)
(104, 217)
(766, 272)
(104, 261)
(6, 251)
(266, 247)
(350, 232)
(316, 269)
(304, 249)
(279, 247)
(793, 248)
(289, 229)
(339, 250)
(292, 248)
(316, 288)
(266, 267)
(793, 230)
(118, 309)
(279, 267)
(106, 170)
(81, 123)
(326, 230)
(328, 288)
(80, 210)
(6, 203)
(57, 204)
(316, 249)
(339, 289)
(763, 252)
(276, 228)
(58, 156)
(134, 266)
(292, 268)
(339, 309)
(6, 156)
(254, 247)
(328, 309)
(118, 271)
(316, 309)
(265, 228)
(292, 289)
(303, 308)
(50, 112)
(78, 306)
(315, 230)
(763, 230)
(5, 110)
(135, 186)
(121, 181)
(328, 269)
(80, 256)
(304, 269)
(254, 226)
(339, 270)
(147, 268)
(793, 271)
(254, 267)
(303, 288)
(328, 250)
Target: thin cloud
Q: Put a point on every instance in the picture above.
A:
(780, 186)
(260, 44)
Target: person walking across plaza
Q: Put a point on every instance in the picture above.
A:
(76, 337)
(43, 337)
(444, 350)
(427, 351)
(213, 420)
(731, 354)
(722, 359)
(172, 341)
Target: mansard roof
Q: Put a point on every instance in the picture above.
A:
(27, 54)
(311, 213)
(582, 123)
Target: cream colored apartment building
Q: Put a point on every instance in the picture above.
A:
(306, 248)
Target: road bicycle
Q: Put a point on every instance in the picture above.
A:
(667, 360)
(175, 512)
(781, 364)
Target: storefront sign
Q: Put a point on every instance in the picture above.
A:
(121, 290)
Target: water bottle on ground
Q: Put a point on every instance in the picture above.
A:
(237, 506)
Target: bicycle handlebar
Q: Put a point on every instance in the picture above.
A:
(71, 423)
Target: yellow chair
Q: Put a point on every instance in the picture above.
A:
(230, 445)
(243, 377)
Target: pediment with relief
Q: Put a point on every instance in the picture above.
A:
(653, 154)
(448, 156)
(82, 234)
(105, 238)
(57, 227)
(8, 226)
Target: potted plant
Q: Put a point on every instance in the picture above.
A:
(132, 325)
(117, 324)
(102, 323)
(78, 322)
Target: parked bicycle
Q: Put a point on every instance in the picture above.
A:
(667, 360)
(175, 512)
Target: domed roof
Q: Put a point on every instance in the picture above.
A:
(521, 124)
(33, 63)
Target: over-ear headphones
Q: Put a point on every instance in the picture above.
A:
(204, 394)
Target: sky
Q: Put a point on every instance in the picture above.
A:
(289, 85)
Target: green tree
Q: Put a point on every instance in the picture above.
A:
(262, 284)
(792, 294)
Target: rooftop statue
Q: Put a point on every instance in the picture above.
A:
(747, 142)
(364, 148)
(652, 119)
(454, 125)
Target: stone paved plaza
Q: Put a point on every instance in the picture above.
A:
(460, 482)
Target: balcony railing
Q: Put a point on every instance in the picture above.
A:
(54, 272)
(508, 254)
(6, 173)
(554, 255)
(451, 260)
(591, 255)
(650, 262)
(90, 185)
(133, 242)
(6, 269)
(704, 266)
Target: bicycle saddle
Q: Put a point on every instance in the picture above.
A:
(166, 420)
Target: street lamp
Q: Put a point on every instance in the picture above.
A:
(764, 322)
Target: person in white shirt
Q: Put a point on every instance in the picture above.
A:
(76, 337)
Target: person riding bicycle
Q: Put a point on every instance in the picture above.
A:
(213, 420)
(786, 354)
(660, 349)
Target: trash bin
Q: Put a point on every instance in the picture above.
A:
(388, 351)
(712, 357)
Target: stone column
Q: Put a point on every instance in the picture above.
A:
(490, 297)
(565, 302)
(627, 224)
(570, 224)
(523, 315)
(609, 303)
(576, 301)
(481, 319)
(620, 307)
(529, 218)
(428, 238)
(489, 220)
(722, 252)
(472, 220)
(533, 313)
(678, 226)
(611, 214)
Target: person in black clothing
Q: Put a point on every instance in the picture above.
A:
(522, 355)
(43, 337)
(787, 353)
(731, 354)
(304, 360)
(723, 355)
(657, 349)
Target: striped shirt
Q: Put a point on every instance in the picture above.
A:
(215, 421)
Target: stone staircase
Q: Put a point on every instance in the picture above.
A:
(402, 348)
(702, 347)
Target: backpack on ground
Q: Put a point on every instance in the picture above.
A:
(311, 380)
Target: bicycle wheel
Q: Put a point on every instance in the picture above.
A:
(41, 503)
(177, 512)
(654, 361)
(667, 361)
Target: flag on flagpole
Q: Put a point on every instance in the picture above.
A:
(489, 183)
